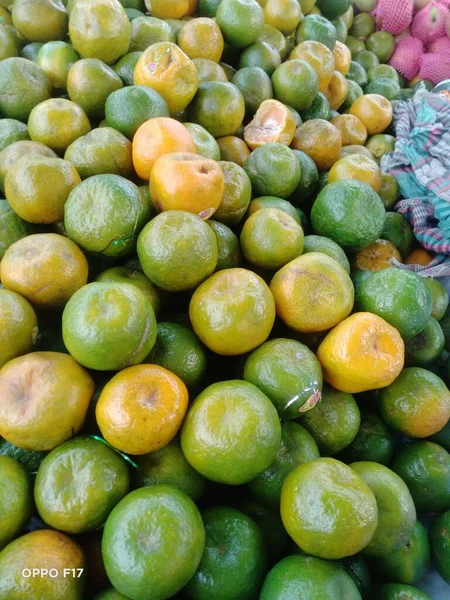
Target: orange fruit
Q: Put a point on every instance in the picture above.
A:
(208, 70)
(337, 90)
(319, 57)
(374, 111)
(362, 353)
(34, 388)
(417, 403)
(167, 69)
(320, 140)
(312, 293)
(353, 131)
(187, 181)
(419, 256)
(284, 15)
(45, 268)
(141, 408)
(342, 58)
(356, 166)
(233, 149)
(273, 122)
(169, 9)
(232, 312)
(201, 38)
(376, 257)
(157, 137)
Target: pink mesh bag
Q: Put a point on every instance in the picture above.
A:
(429, 23)
(440, 46)
(406, 58)
(435, 67)
(393, 15)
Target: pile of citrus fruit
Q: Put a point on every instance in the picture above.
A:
(216, 380)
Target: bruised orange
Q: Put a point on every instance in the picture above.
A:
(362, 353)
(157, 137)
(353, 131)
(337, 90)
(319, 57)
(376, 257)
(320, 140)
(342, 58)
(233, 149)
(273, 122)
(141, 408)
(187, 181)
(165, 68)
(374, 111)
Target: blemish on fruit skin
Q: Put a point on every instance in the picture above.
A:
(152, 67)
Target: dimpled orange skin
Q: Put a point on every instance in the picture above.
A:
(374, 111)
(44, 397)
(232, 312)
(187, 181)
(157, 137)
(312, 293)
(362, 353)
(47, 269)
(376, 257)
(142, 408)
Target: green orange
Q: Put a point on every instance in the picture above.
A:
(288, 373)
(271, 238)
(18, 97)
(91, 98)
(178, 349)
(111, 230)
(108, 339)
(333, 422)
(232, 541)
(219, 304)
(231, 433)
(16, 499)
(177, 250)
(425, 468)
(99, 479)
(396, 510)
(154, 537)
(327, 509)
(169, 465)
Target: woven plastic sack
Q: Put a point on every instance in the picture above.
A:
(406, 58)
(429, 23)
(435, 67)
(393, 16)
